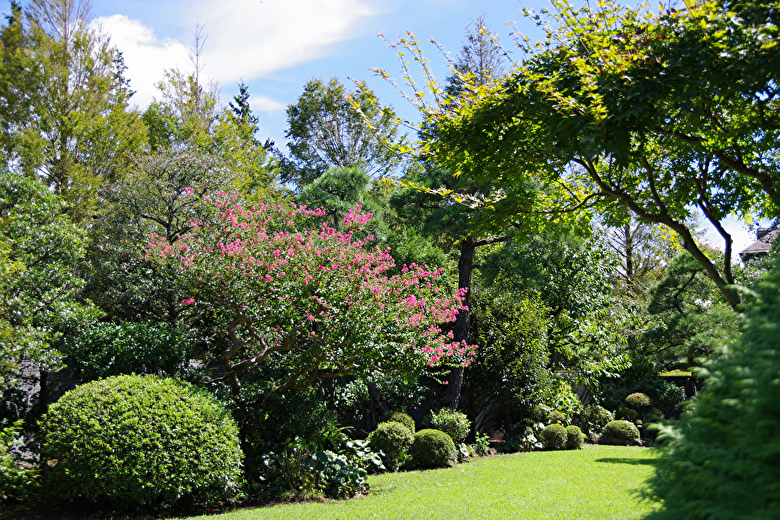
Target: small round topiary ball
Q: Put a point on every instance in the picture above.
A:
(433, 449)
(573, 437)
(132, 441)
(638, 401)
(401, 417)
(554, 437)
(623, 433)
(393, 438)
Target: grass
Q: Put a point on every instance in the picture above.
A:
(599, 482)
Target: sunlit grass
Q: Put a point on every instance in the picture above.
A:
(599, 482)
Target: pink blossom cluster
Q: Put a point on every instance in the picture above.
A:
(269, 268)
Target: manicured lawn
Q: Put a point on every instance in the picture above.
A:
(598, 482)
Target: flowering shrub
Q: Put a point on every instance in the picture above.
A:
(319, 296)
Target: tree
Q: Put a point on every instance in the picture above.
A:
(642, 250)
(480, 61)
(327, 129)
(316, 296)
(719, 461)
(65, 102)
(160, 195)
(634, 110)
(42, 255)
(188, 115)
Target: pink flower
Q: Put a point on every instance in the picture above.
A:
(188, 301)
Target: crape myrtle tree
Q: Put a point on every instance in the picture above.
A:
(319, 296)
(661, 113)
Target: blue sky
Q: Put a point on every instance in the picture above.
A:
(275, 46)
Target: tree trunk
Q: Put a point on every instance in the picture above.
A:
(462, 322)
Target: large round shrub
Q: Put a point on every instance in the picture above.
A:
(554, 437)
(622, 433)
(394, 439)
(401, 417)
(130, 441)
(433, 449)
(721, 460)
(573, 437)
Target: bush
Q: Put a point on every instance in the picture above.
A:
(573, 438)
(108, 349)
(394, 439)
(593, 419)
(132, 441)
(15, 481)
(554, 437)
(721, 460)
(623, 433)
(297, 472)
(555, 417)
(401, 417)
(433, 449)
(455, 424)
(638, 401)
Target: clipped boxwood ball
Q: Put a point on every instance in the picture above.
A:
(394, 439)
(573, 437)
(401, 417)
(554, 437)
(623, 433)
(433, 449)
(130, 441)
(638, 401)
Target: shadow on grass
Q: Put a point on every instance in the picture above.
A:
(625, 460)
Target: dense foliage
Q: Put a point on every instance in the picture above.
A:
(108, 349)
(720, 462)
(132, 441)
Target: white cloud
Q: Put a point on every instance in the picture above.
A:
(266, 104)
(252, 38)
(246, 39)
(146, 56)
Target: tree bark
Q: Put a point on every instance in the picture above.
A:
(462, 322)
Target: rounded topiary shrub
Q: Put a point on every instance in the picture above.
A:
(453, 423)
(638, 401)
(554, 437)
(573, 438)
(433, 449)
(401, 417)
(554, 417)
(130, 441)
(394, 439)
(624, 433)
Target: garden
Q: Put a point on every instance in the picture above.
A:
(513, 312)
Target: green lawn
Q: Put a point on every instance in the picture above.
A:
(598, 482)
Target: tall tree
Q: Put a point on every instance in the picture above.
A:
(326, 129)
(658, 113)
(65, 102)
